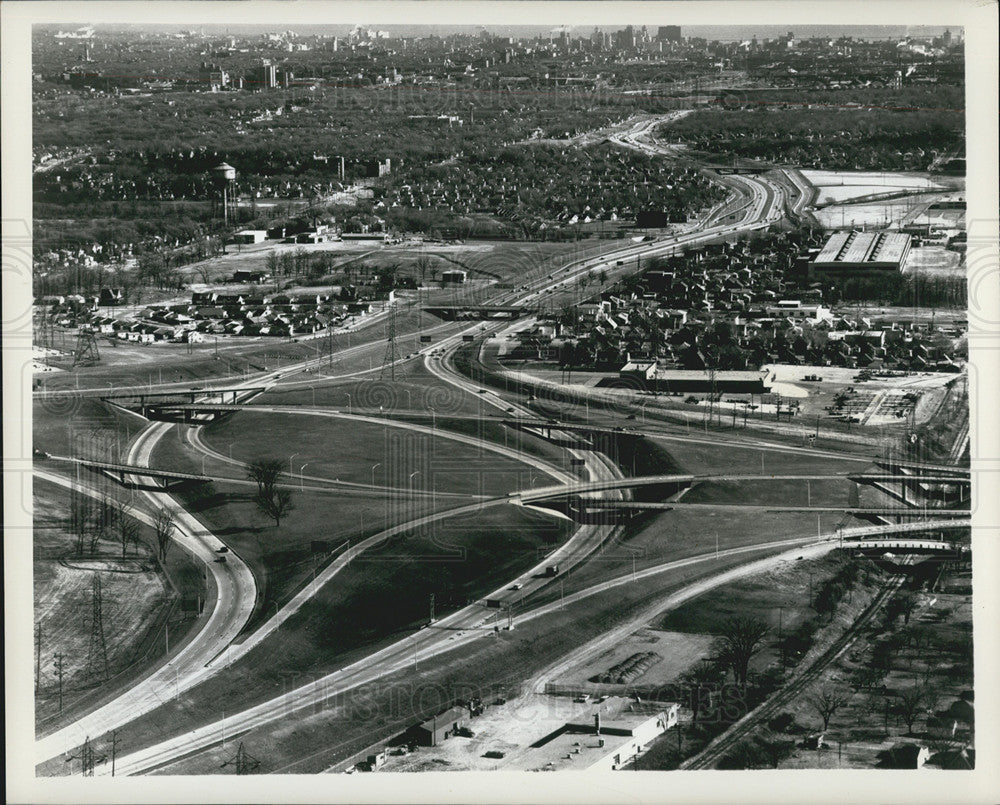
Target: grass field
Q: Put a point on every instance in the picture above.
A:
(357, 452)
(414, 389)
(139, 596)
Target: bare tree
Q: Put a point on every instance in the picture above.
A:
(911, 702)
(827, 702)
(276, 503)
(126, 526)
(163, 525)
(704, 678)
(907, 603)
(423, 266)
(741, 638)
(266, 472)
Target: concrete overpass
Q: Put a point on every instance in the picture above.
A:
(755, 507)
(585, 487)
(119, 472)
(479, 312)
(908, 545)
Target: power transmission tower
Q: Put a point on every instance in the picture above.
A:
(97, 660)
(243, 761)
(390, 347)
(59, 666)
(86, 352)
(86, 757)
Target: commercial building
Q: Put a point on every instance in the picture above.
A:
(440, 727)
(604, 745)
(453, 277)
(669, 33)
(250, 236)
(695, 381)
(861, 252)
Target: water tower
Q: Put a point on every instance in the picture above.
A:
(224, 177)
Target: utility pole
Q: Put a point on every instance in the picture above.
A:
(59, 663)
(114, 750)
(432, 608)
(38, 655)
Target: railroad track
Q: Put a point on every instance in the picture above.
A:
(718, 748)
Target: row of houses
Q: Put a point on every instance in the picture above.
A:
(616, 331)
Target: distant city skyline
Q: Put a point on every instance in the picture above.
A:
(722, 33)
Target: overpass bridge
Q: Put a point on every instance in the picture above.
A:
(687, 480)
(908, 545)
(763, 507)
(916, 468)
(730, 170)
(480, 312)
(120, 472)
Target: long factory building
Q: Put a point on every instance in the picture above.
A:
(851, 252)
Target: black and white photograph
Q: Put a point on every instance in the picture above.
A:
(434, 395)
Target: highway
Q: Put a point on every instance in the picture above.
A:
(460, 628)
(761, 202)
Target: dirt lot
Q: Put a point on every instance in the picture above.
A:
(678, 652)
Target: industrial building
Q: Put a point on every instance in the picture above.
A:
(453, 277)
(702, 381)
(861, 252)
(440, 727)
(604, 745)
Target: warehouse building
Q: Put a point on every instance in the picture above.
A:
(695, 381)
(603, 745)
(861, 252)
(440, 727)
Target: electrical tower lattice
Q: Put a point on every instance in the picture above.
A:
(243, 762)
(97, 659)
(389, 360)
(86, 353)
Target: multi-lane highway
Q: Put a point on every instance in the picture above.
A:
(756, 203)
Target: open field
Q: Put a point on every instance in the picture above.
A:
(414, 389)
(282, 557)
(349, 450)
(140, 595)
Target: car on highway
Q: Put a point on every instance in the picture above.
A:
(516, 586)
(221, 560)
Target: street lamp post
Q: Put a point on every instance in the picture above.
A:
(410, 479)
(293, 455)
(348, 402)
(302, 483)
(375, 467)
(204, 456)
